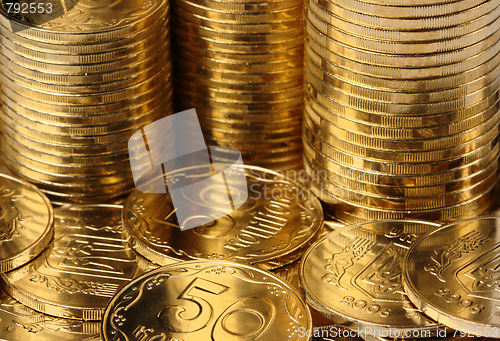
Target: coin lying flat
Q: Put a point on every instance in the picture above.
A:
(274, 226)
(26, 218)
(86, 264)
(451, 276)
(227, 301)
(353, 277)
(20, 323)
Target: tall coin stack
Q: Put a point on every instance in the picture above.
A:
(240, 65)
(76, 84)
(402, 112)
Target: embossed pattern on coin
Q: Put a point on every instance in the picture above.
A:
(26, 218)
(354, 276)
(231, 300)
(451, 275)
(275, 225)
(86, 264)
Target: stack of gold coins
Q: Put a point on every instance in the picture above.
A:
(240, 65)
(75, 85)
(401, 114)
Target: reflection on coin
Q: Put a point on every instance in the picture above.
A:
(275, 225)
(87, 263)
(353, 277)
(451, 275)
(206, 300)
(20, 323)
(26, 218)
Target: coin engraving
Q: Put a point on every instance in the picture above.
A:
(340, 262)
(11, 220)
(382, 279)
(444, 256)
(195, 306)
(482, 276)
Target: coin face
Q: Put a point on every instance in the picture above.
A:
(26, 218)
(353, 277)
(451, 276)
(85, 265)
(271, 229)
(20, 323)
(206, 300)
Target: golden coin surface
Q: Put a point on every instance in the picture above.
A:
(20, 323)
(86, 264)
(87, 21)
(354, 276)
(206, 300)
(451, 276)
(275, 225)
(26, 219)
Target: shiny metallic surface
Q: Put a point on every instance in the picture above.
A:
(220, 300)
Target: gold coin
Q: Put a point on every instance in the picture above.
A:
(401, 35)
(232, 300)
(88, 99)
(293, 11)
(62, 109)
(410, 127)
(387, 141)
(383, 105)
(97, 118)
(152, 43)
(236, 66)
(330, 168)
(20, 323)
(230, 47)
(247, 127)
(355, 214)
(100, 22)
(373, 153)
(286, 225)
(333, 33)
(401, 95)
(322, 174)
(89, 48)
(457, 119)
(403, 66)
(459, 20)
(180, 13)
(26, 218)
(400, 168)
(450, 274)
(407, 203)
(410, 11)
(87, 263)
(250, 98)
(364, 74)
(80, 68)
(247, 8)
(354, 277)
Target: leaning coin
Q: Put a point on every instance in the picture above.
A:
(452, 276)
(26, 218)
(206, 300)
(87, 263)
(353, 277)
(272, 228)
(20, 323)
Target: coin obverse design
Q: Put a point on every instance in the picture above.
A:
(26, 218)
(273, 228)
(86, 264)
(452, 276)
(206, 300)
(353, 277)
